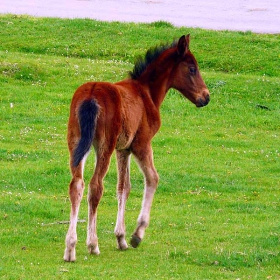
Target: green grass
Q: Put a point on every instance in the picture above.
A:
(216, 211)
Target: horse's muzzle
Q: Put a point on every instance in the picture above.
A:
(203, 101)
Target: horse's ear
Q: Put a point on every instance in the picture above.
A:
(183, 44)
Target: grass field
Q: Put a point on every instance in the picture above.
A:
(216, 211)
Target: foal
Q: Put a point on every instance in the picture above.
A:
(124, 117)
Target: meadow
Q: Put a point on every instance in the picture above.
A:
(216, 211)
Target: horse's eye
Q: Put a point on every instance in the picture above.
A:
(193, 70)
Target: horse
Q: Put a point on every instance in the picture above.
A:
(124, 116)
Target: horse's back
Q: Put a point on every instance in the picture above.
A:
(124, 111)
(98, 91)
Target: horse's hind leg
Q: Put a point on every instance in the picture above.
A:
(76, 189)
(123, 190)
(94, 195)
(144, 158)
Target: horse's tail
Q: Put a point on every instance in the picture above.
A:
(87, 115)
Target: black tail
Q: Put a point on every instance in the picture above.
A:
(87, 116)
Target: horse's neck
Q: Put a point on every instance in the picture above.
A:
(157, 80)
(158, 88)
(158, 92)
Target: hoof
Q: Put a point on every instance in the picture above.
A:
(122, 245)
(135, 241)
(69, 255)
(93, 249)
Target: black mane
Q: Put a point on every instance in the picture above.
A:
(151, 55)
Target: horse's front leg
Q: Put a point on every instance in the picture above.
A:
(94, 196)
(123, 190)
(145, 160)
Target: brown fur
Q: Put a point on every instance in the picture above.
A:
(127, 119)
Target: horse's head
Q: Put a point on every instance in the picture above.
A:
(187, 78)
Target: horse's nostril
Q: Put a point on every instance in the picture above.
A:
(203, 101)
